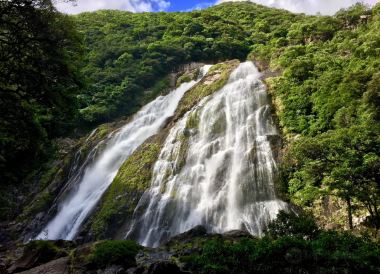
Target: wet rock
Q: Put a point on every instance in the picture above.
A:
(3, 267)
(79, 258)
(38, 253)
(25, 262)
(163, 267)
(146, 259)
(65, 145)
(5, 237)
(114, 269)
(197, 231)
(39, 216)
(210, 80)
(191, 66)
(275, 142)
(135, 270)
(59, 266)
(236, 234)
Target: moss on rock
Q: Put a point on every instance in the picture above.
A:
(126, 189)
(193, 120)
(219, 124)
(187, 77)
(182, 153)
(41, 203)
(87, 143)
(53, 175)
(183, 79)
(215, 79)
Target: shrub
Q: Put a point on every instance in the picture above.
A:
(291, 224)
(121, 252)
(328, 252)
(44, 251)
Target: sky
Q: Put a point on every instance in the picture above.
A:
(327, 7)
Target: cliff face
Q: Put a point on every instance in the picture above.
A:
(50, 184)
(54, 187)
(112, 217)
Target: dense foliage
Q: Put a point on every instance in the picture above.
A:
(113, 252)
(291, 224)
(328, 102)
(330, 250)
(127, 58)
(128, 53)
(39, 51)
(292, 244)
(327, 96)
(327, 252)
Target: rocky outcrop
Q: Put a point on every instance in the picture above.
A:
(55, 182)
(215, 79)
(173, 257)
(59, 266)
(49, 185)
(163, 267)
(38, 253)
(120, 200)
(107, 256)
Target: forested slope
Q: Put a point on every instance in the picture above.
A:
(128, 53)
(327, 94)
(40, 51)
(63, 76)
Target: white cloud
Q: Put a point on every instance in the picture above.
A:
(129, 5)
(201, 6)
(162, 4)
(327, 7)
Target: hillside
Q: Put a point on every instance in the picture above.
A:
(322, 76)
(327, 89)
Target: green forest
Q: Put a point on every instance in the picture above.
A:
(62, 76)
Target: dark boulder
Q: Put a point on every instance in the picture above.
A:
(237, 234)
(163, 267)
(197, 231)
(59, 266)
(37, 253)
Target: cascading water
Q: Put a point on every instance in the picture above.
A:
(98, 175)
(216, 167)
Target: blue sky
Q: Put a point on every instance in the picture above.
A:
(306, 6)
(133, 5)
(177, 5)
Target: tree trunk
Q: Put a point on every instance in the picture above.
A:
(349, 213)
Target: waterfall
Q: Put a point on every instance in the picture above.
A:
(216, 167)
(95, 178)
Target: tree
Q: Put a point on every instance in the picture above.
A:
(294, 225)
(39, 55)
(342, 162)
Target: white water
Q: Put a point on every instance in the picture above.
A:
(98, 175)
(226, 180)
